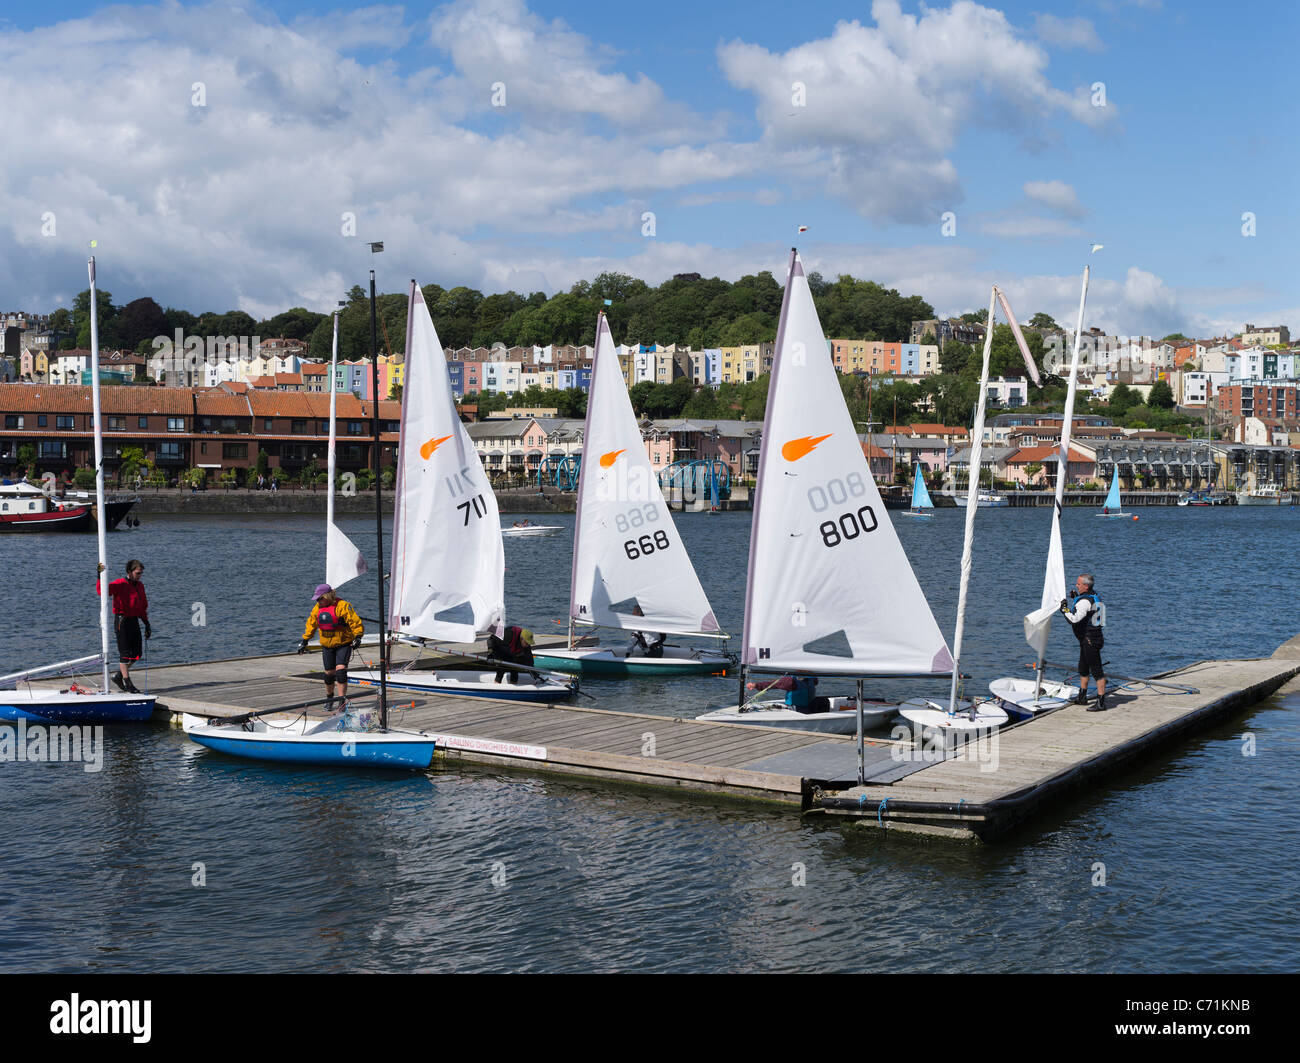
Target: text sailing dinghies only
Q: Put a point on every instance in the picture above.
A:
(631, 571)
(830, 592)
(448, 570)
(354, 737)
(77, 704)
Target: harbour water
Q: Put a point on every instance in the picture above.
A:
(480, 870)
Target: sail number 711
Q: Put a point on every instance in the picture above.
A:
(480, 508)
(847, 525)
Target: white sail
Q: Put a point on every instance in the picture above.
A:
(343, 561)
(630, 566)
(830, 590)
(448, 574)
(1038, 624)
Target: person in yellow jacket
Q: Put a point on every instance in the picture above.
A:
(340, 633)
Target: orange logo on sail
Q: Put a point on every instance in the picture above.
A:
(802, 447)
(427, 449)
(606, 460)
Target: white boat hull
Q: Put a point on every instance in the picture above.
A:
(676, 660)
(535, 531)
(1018, 697)
(842, 719)
(931, 714)
(472, 685)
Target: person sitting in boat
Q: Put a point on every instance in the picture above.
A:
(513, 646)
(340, 633)
(640, 646)
(800, 693)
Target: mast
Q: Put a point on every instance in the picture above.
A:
(972, 504)
(379, 507)
(99, 478)
(329, 494)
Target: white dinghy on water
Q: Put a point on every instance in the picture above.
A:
(448, 570)
(1026, 698)
(830, 591)
(353, 738)
(631, 571)
(77, 704)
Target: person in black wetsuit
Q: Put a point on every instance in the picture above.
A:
(1088, 619)
(514, 646)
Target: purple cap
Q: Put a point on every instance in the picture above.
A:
(323, 588)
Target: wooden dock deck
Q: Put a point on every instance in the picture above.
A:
(981, 792)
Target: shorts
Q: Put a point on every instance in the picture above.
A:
(337, 656)
(129, 644)
(1090, 657)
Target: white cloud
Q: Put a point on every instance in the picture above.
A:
(885, 104)
(1067, 32)
(1057, 195)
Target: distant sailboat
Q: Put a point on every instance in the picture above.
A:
(630, 571)
(1111, 507)
(922, 506)
(77, 705)
(830, 591)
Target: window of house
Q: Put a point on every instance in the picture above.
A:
(40, 420)
(117, 424)
(176, 424)
(298, 427)
(238, 451)
(266, 424)
(63, 422)
(142, 422)
(13, 421)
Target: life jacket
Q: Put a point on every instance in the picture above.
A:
(1095, 621)
(328, 619)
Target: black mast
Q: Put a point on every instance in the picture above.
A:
(379, 507)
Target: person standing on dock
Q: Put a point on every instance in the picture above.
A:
(340, 633)
(1088, 619)
(130, 607)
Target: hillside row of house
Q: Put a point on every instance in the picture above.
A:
(224, 429)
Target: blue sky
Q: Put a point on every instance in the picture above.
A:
(311, 114)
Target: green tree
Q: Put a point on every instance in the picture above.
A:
(107, 315)
(1123, 398)
(1162, 395)
(1044, 321)
(955, 356)
(139, 322)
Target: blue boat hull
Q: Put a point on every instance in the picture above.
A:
(416, 754)
(76, 709)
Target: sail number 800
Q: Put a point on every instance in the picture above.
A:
(848, 525)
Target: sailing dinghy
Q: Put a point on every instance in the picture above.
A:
(830, 591)
(1022, 697)
(77, 704)
(352, 738)
(922, 506)
(631, 571)
(343, 561)
(958, 718)
(1111, 507)
(448, 571)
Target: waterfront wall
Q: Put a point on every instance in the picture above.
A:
(218, 501)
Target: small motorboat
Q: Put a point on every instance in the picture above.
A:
(528, 530)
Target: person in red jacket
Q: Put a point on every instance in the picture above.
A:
(130, 608)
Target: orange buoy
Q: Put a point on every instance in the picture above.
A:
(1135, 516)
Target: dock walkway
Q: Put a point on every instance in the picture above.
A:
(981, 792)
